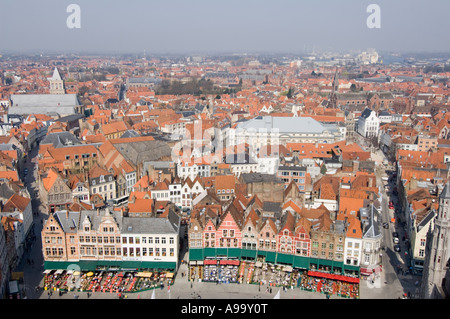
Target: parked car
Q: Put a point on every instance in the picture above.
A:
(391, 205)
(385, 225)
(397, 248)
(395, 234)
(395, 240)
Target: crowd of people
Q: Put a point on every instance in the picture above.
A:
(105, 281)
(328, 286)
(263, 274)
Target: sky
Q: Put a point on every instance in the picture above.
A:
(219, 26)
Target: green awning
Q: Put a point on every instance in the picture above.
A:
(325, 262)
(351, 268)
(301, 262)
(221, 252)
(314, 261)
(158, 265)
(128, 264)
(262, 253)
(338, 264)
(249, 253)
(209, 252)
(285, 259)
(92, 265)
(234, 252)
(196, 254)
(271, 257)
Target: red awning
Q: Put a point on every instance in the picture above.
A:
(366, 271)
(229, 262)
(210, 262)
(332, 276)
(369, 271)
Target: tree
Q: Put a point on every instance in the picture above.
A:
(353, 87)
(323, 169)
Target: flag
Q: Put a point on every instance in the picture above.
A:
(277, 296)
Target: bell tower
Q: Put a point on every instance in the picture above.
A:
(437, 252)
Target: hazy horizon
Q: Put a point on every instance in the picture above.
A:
(212, 27)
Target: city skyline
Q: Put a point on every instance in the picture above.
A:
(195, 27)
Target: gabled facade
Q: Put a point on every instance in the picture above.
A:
(267, 236)
(55, 193)
(102, 182)
(229, 233)
(250, 230)
(286, 235)
(368, 123)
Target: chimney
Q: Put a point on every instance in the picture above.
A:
(67, 214)
(98, 211)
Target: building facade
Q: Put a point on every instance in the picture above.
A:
(437, 253)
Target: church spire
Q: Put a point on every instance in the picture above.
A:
(56, 83)
(334, 90)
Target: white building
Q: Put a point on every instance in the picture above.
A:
(154, 240)
(187, 169)
(368, 123)
(190, 188)
(175, 193)
(371, 240)
(261, 131)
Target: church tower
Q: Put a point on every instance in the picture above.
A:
(56, 83)
(437, 252)
(334, 90)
